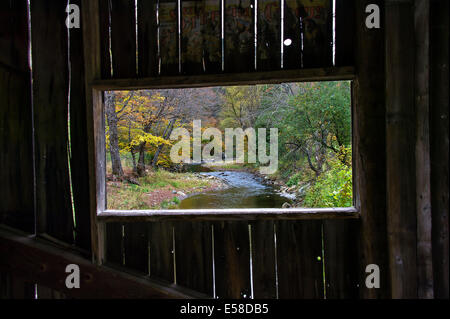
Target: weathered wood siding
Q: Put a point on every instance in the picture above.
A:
(16, 127)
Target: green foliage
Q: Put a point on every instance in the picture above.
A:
(333, 188)
(294, 179)
(314, 129)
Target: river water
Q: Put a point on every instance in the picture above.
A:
(245, 190)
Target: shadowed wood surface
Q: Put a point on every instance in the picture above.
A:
(162, 251)
(50, 103)
(263, 260)
(340, 259)
(299, 253)
(123, 38)
(194, 256)
(400, 147)
(439, 77)
(16, 123)
(37, 261)
(232, 260)
(147, 38)
(136, 247)
(369, 143)
(400, 114)
(206, 80)
(79, 162)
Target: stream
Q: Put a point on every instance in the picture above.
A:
(245, 190)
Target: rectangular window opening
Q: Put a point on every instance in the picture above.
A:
(280, 147)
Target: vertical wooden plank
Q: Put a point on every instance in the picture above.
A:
(299, 254)
(161, 251)
(212, 33)
(21, 288)
(5, 285)
(263, 260)
(307, 24)
(423, 187)
(16, 156)
(200, 36)
(239, 35)
(317, 37)
(14, 34)
(104, 21)
(193, 242)
(345, 33)
(369, 123)
(294, 14)
(269, 35)
(168, 37)
(192, 13)
(136, 246)
(341, 258)
(123, 38)
(232, 260)
(439, 77)
(114, 243)
(147, 38)
(95, 125)
(50, 100)
(46, 293)
(400, 163)
(78, 140)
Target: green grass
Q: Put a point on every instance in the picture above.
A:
(127, 198)
(161, 178)
(132, 197)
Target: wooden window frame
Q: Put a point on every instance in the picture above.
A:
(175, 82)
(99, 216)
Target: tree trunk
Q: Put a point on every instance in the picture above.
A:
(133, 157)
(113, 135)
(141, 160)
(166, 135)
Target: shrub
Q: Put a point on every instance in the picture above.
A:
(333, 188)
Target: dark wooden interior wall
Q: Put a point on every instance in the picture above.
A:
(50, 102)
(417, 147)
(158, 249)
(439, 106)
(400, 149)
(16, 144)
(370, 145)
(50, 95)
(59, 205)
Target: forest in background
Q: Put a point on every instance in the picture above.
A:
(313, 121)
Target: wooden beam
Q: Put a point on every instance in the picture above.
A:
(206, 80)
(439, 78)
(423, 188)
(369, 148)
(400, 148)
(227, 214)
(95, 123)
(50, 108)
(45, 264)
(79, 163)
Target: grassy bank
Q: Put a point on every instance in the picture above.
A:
(158, 190)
